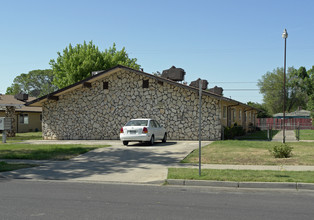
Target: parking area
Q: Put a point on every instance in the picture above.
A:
(136, 163)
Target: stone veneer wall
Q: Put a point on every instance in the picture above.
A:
(97, 113)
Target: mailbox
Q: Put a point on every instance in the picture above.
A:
(5, 123)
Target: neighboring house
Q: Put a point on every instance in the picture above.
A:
(97, 107)
(293, 120)
(25, 118)
(296, 114)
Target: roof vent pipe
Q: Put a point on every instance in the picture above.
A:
(96, 72)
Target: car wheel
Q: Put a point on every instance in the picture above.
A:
(152, 140)
(164, 140)
(125, 142)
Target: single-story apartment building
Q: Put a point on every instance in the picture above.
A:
(25, 118)
(98, 106)
(238, 113)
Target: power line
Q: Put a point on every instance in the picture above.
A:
(232, 82)
(241, 89)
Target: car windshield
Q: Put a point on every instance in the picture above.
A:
(137, 123)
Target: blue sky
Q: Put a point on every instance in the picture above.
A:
(221, 41)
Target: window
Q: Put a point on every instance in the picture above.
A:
(137, 123)
(224, 112)
(41, 117)
(240, 114)
(145, 83)
(157, 124)
(105, 85)
(250, 116)
(233, 114)
(153, 124)
(23, 119)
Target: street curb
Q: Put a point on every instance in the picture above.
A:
(307, 186)
(201, 183)
(268, 185)
(262, 185)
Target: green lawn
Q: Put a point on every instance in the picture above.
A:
(4, 167)
(44, 151)
(14, 149)
(258, 135)
(242, 175)
(307, 135)
(251, 153)
(23, 137)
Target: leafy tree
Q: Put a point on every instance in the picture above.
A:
(77, 63)
(14, 89)
(310, 90)
(271, 86)
(36, 83)
(304, 80)
(264, 113)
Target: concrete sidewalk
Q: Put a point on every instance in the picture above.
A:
(290, 136)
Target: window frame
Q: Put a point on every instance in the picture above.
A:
(24, 118)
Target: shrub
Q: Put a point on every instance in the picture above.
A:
(233, 131)
(2, 163)
(239, 131)
(228, 133)
(281, 151)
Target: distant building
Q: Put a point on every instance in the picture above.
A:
(295, 114)
(297, 119)
(25, 118)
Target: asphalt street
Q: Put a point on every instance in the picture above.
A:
(22, 199)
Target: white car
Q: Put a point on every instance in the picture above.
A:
(142, 130)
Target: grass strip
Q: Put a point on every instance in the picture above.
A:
(23, 137)
(306, 134)
(242, 175)
(251, 153)
(45, 151)
(4, 167)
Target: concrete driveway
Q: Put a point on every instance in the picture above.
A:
(134, 163)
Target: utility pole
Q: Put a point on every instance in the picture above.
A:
(284, 36)
(199, 129)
